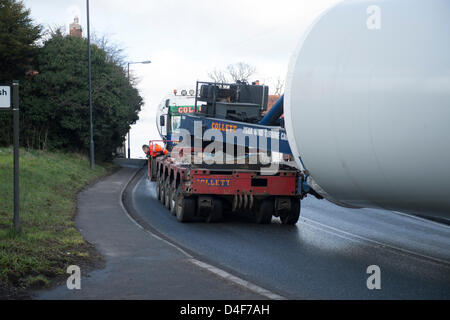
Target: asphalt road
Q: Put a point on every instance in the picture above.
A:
(325, 256)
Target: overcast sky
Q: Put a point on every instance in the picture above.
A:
(187, 39)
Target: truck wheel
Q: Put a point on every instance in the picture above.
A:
(216, 212)
(173, 199)
(291, 217)
(161, 191)
(185, 206)
(158, 188)
(167, 193)
(264, 214)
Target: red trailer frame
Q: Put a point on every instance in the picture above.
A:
(209, 190)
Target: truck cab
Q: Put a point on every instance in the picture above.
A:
(170, 111)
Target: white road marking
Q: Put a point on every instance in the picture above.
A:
(441, 225)
(343, 234)
(223, 274)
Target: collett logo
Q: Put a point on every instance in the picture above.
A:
(224, 127)
(189, 109)
(215, 182)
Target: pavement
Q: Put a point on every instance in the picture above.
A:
(130, 163)
(139, 265)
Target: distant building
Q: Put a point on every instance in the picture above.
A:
(75, 28)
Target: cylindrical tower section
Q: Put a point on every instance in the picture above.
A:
(367, 104)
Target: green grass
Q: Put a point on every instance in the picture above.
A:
(48, 241)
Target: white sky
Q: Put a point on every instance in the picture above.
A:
(187, 39)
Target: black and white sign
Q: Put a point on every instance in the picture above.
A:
(5, 97)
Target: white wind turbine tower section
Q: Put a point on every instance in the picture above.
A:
(367, 105)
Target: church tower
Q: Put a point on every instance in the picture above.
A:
(75, 28)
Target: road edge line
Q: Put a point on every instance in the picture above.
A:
(374, 243)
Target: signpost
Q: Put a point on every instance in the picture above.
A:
(9, 100)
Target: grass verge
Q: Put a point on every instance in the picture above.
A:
(48, 242)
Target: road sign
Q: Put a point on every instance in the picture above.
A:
(9, 100)
(5, 97)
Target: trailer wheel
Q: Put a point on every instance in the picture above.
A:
(158, 188)
(216, 212)
(264, 214)
(173, 199)
(167, 193)
(162, 195)
(185, 206)
(291, 217)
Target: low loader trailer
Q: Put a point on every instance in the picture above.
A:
(195, 193)
(203, 191)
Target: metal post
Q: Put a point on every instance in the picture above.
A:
(15, 89)
(129, 145)
(92, 160)
(129, 151)
(128, 72)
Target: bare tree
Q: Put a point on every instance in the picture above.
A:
(115, 53)
(239, 71)
(218, 76)
(279, 86)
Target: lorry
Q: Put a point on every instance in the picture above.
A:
(194, 187)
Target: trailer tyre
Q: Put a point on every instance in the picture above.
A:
(264, 214)
(158, 188)
(185, 209)
(167, 193)
(216, 212)
(162, 191)
(291, 217)
(173, 199)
